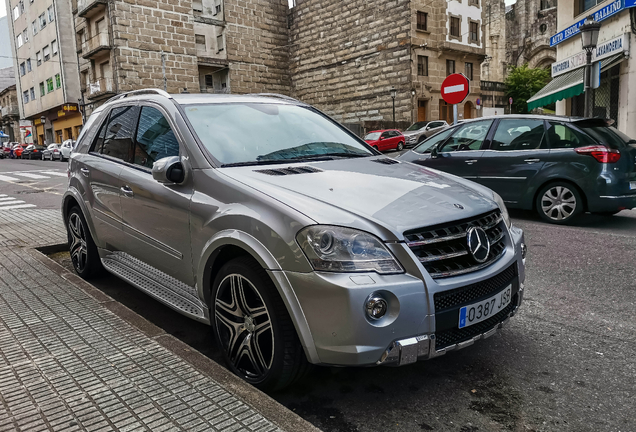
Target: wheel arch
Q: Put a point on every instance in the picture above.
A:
(230, 244)
(73, 198)
(559, 180)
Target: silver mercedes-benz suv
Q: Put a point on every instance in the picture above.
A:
(297, 242)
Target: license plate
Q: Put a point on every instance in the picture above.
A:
(480, 311)
(632, 185)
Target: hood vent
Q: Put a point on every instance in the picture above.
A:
(386, 161)
(289, 171)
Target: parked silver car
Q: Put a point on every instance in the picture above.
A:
(292, 238)
(418, 132)
(52, 152)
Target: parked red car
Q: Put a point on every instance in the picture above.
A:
(18, 149)
(383, 140)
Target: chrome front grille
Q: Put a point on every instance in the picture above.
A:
(443, 249)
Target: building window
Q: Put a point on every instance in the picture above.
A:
(422, 65)
(54, 47)
(209, 81)
(473, 3)
(217, 7)
(51, 13)
(450, 67)
(47, 53)
(474, 32)
(581, 6)
(32, 91)
(469, 71)
(422, 21)
(42, 19)
(25, 35)
(25, 96)
(38, 56)
(200, 41)
(21, 5)
(543, 28)
(219, 43)
(28, 65)
(16, 13)
(454, 27)
(58, 81)
(49, 85)
(546, 4)
(42, 92)
(22, 69)
(34, 26)
(20, 41)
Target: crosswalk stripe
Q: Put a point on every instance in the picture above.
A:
(55, 173)
(7, 199)
(3, 195)
(11, 202)
(7, 178)
(20, 206)
(31, 176)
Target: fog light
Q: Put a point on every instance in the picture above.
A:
(376, 307)
(524, 250)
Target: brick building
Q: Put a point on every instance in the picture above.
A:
(345, 57)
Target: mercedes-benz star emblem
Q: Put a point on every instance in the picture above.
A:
(478, 244)
(459, 206)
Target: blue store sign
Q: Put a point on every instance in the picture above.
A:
(600, 15)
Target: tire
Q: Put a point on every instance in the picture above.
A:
(251, 325)
(376, 148)
(42, 156)
(82, 248)
(559, 203)
(400, 146)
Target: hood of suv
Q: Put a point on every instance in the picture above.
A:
(378, 190)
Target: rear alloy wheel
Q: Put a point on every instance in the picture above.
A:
(42, 156)
(83, 250)
(400, 146)
(559, 203)
(253, 328)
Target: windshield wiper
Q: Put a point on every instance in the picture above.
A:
(330, 156)
(252, 163)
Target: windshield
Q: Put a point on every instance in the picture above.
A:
(372, 136)
(609, 135)
(427, 145)
(258, 133)
(417, 126)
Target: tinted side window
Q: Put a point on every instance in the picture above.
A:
(155, 138)
(563, 136)
(434, 125)
(385, 135)
(519, 134)
(118, 142)
(467, 137)
(433, 141)
(99, 140)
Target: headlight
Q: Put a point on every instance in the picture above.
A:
(502, 207)
(338, 249)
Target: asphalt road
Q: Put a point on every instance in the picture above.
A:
(35, 183)
(565, 362)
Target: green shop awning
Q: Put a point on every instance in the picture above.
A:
(562, 87)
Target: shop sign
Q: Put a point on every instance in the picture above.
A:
(600, 15)
(603, 50)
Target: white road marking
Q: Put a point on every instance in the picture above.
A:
(55, 173)
(8, 179)
(11, 202)
(3, 195)
(7, 199)
(454, 89)
(32, 176)
(20, 206)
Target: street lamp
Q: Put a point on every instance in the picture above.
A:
(589, 38)
(393, 95)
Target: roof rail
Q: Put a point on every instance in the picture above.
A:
(275, 95)
(140, 92)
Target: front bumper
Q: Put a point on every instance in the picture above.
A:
(333, 308)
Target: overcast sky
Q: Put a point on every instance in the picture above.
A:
(3, 8)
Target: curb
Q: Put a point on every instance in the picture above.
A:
(264, 404)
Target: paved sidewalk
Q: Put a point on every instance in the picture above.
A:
(72, 359)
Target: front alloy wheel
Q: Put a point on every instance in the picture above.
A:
(559, 203)
(252, 326)
(82, 248)
(400, 146)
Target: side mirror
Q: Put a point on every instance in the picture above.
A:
(168, 170)
(381, 138)
(434, 152)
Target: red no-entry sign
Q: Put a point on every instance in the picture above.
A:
(455, 88)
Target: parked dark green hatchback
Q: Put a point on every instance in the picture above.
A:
(558, 166)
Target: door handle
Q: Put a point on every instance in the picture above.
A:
(471, 161)
(85, 171)
(126, 190)
(531, 161)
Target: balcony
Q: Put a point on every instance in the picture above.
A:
(95, 45)
(492, 86)
(103, 86)
(11, 110)
(88, 8)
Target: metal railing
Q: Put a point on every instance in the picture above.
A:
(492, 86)
(100, 40)
(85, 5)
(10, 110)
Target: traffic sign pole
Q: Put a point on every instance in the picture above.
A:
(454, 114)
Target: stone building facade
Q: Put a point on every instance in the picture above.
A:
(529, 25)
(345, 57)
(10, 120)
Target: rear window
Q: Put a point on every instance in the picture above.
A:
(610, 136)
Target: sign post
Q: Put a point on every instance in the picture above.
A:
(510, 102)
(455, 89)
